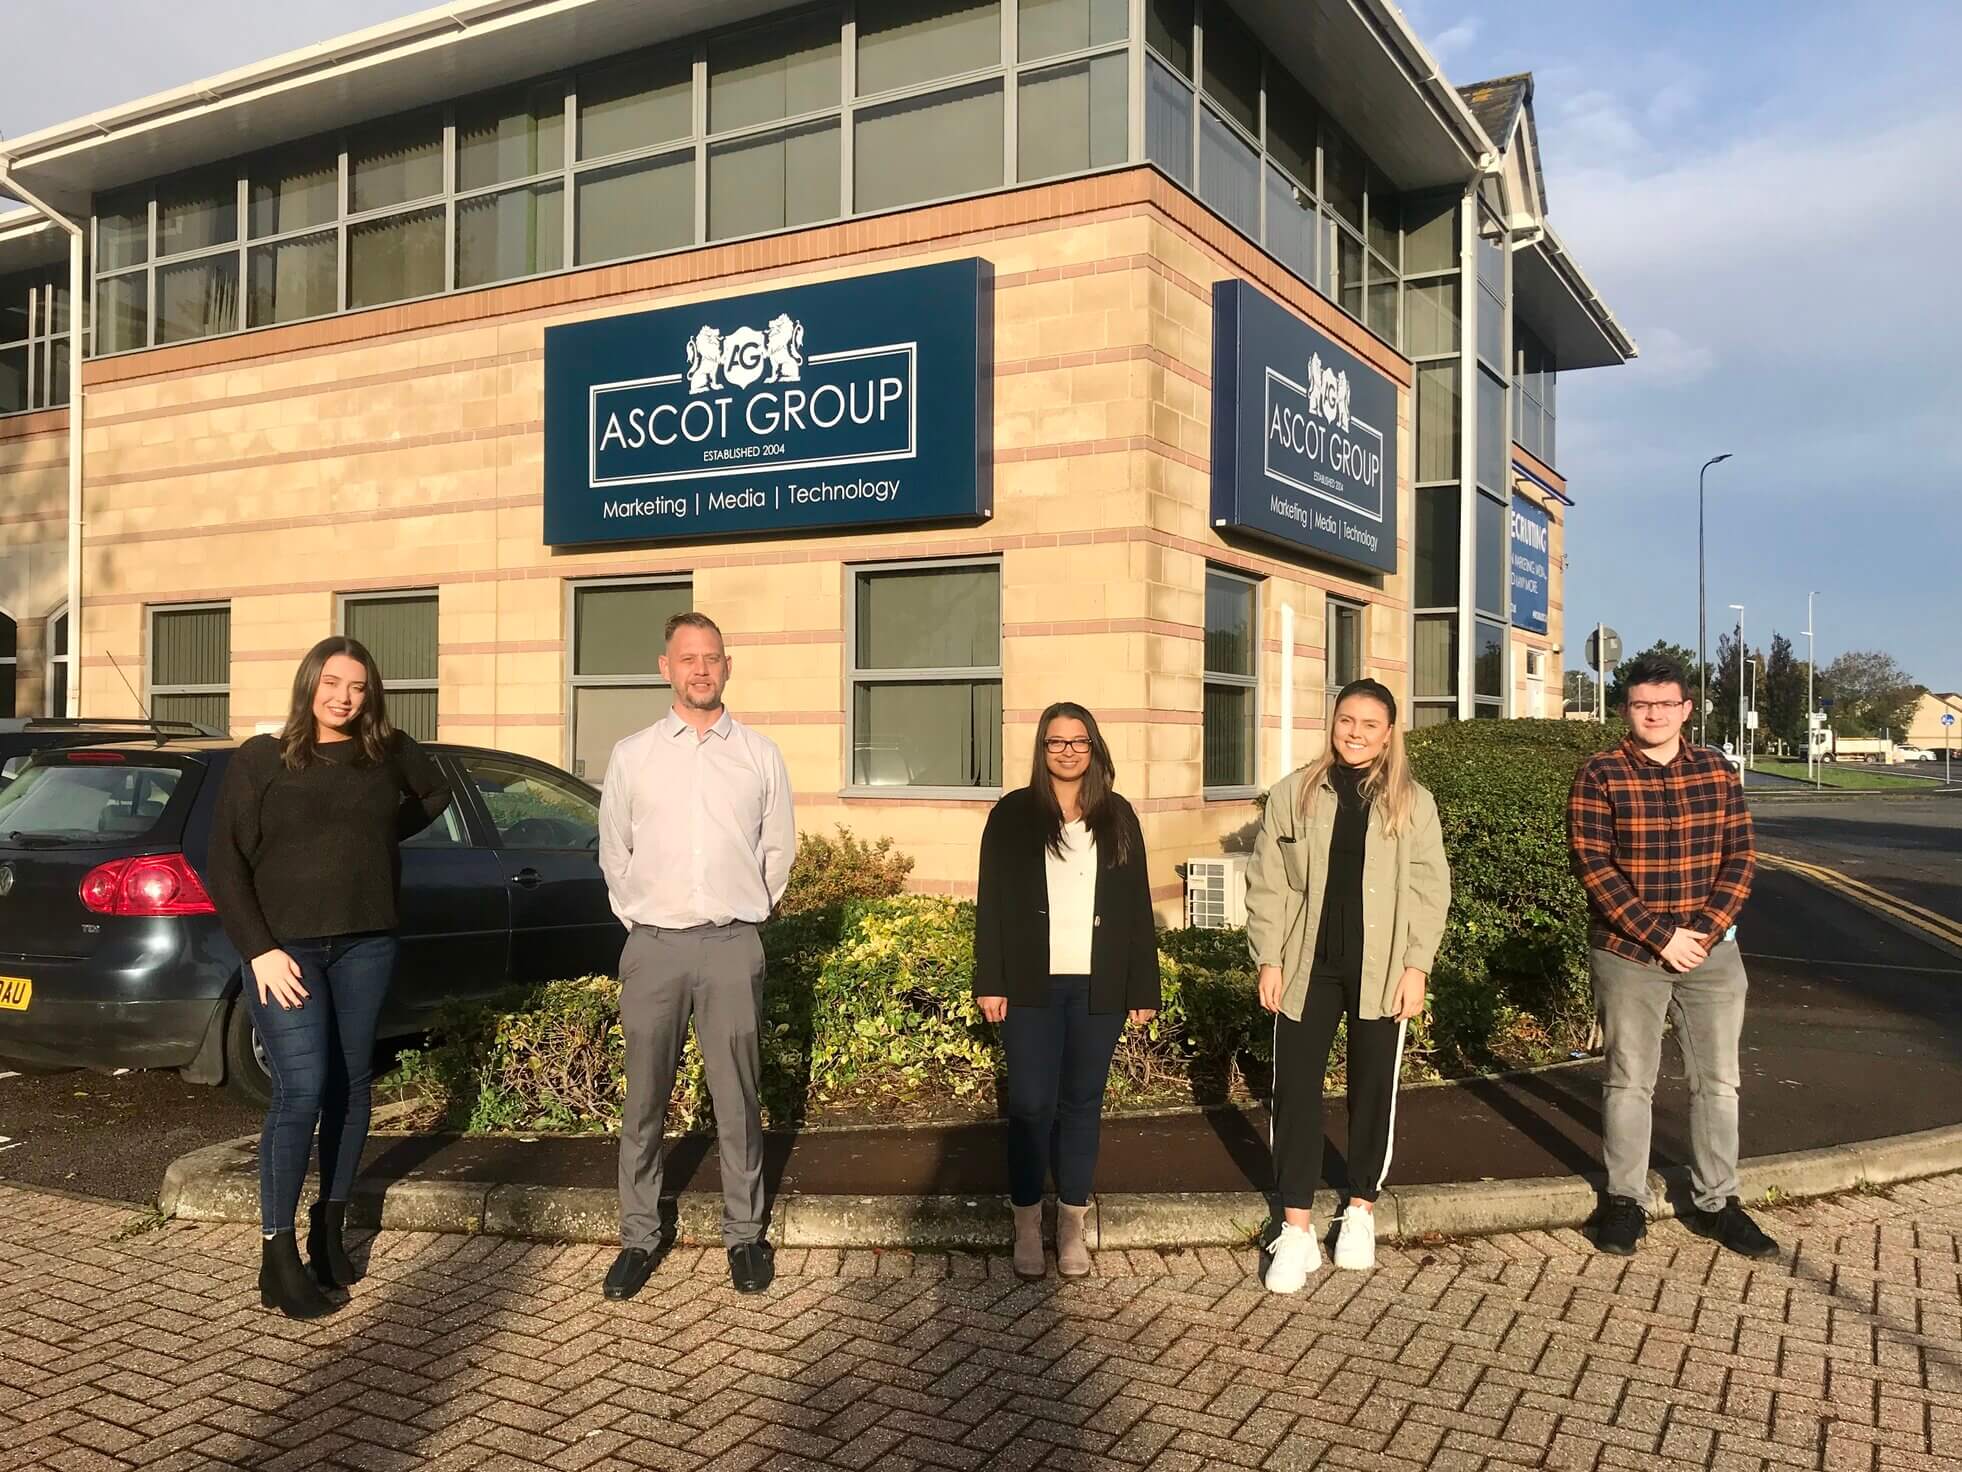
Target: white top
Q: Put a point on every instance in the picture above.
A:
(696, 828)
(1072, 901)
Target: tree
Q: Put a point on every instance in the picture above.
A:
(1721, 726)
(1781, 696)
(1618, 687)
(1871, 693)
(1577, 691)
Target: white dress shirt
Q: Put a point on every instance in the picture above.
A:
(696, 828)
(1072, 900)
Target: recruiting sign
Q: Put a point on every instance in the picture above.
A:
(844, 403)
(1532, 560)
(1304, 434)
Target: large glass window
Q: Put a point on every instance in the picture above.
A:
(640, 103)
(1431, 316)
(773, 181)
(1435, 563)
(1489, 668)
(395, 258)
(396, 162)
(1229, 173)
(59, 661)
(34, 339)
(292, 279)
(196, 213)
(1232, 663)
(903, 43)
(294, 190)
(774, 72)
(1168, 30)
(191, 664)
(1489, 556)
(1232, 67)
(1047, 28)
(945, 143)
(197, 298)
(1435, 667)
(1168, 123)
(122, 312)
(519, 232)
(510, 136)
(636, 208)
(122, 230)
(1492, 437)
(1073, 118)
(1438, 434)
(617, 685)
(926, 676)
(1343, 647)
(400, 632)
(1294, 228)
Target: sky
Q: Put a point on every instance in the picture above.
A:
(1765, 193)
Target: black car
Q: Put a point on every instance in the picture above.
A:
(22, 736)
(111, 954)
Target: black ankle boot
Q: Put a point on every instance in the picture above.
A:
(326, 1247)
(285, 1284)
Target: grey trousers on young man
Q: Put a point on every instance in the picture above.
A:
(1708, 1007)
(715, 974)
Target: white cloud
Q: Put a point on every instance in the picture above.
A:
(1454, 40)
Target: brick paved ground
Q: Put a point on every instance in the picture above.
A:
(148, 1348)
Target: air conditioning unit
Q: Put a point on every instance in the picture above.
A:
(1216, 892)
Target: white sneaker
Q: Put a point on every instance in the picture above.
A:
(1296, 1254)
(1355, 1247)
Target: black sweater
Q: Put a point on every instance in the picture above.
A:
(1011, 921)
(295, 855)
(1339, 945)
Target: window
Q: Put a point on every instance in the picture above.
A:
(396, 162)
(1047, 28)
(1488, 669)
(925, 647)
(520, 232)
(1435, 667)
(395, 258)
(1344, 647)
(9, 664)
(294, 191)
(1072, 118)
(191, 664)
(777, 180)
(195, 214)
(1168, 123)
(1294, 228)
(34, 339)
(532, 807)
(774, 72)
(945, 143)
(1436, 562)
(1232, 67)
(1438, 433)
(1431, 317)
(617, 686)
(1168, 31)
(1231, 668)
(400, 632)
(510, 136)
(1532, 394)
(637, 208)
(640, 103)
(1489, 568)
(289, 280)
(58, 664)
(1229, 172)
(1492, 437)
(903, 43)
(197, 298)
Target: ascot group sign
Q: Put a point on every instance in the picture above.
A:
(1304, 434)
(1531, 562)
(854, 402)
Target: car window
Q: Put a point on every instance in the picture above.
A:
(87, 801)
(448, 831)
(531, 808)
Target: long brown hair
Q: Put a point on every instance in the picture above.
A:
(298, 747)
(1099, 799)
(1387, 784)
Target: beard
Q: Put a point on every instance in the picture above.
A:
(694, 701)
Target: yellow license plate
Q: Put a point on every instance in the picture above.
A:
(14, 992)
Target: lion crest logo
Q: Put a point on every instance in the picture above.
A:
(746, 355)
(1328, 392)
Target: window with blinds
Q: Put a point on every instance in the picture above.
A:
(618, 630)
(191, 664)
(399, 630)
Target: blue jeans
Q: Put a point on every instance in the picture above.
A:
(1058, 1060)
(323, 1057)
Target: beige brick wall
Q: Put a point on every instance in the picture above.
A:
(306, 462)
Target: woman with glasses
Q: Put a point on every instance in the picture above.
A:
(1347, 891)
(1065, 949)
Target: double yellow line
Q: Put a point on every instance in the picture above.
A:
(1939, 926)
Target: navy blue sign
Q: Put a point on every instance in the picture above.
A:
(844, 403)
(1304, 434)
(1532, 561)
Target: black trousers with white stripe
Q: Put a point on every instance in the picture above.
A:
(1301, 1052)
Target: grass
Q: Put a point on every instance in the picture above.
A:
(1848, 777)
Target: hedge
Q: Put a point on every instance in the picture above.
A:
(869, 1013)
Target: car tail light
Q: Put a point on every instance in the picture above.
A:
(158, 884)
(96, 758)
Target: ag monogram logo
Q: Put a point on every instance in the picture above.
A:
(1328, 392)
(743, 356)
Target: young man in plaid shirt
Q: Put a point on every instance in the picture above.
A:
(1662, 843)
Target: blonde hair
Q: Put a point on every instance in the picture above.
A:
(1388, 784)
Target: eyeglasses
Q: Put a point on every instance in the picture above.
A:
(1057, 745)
(1660, 707)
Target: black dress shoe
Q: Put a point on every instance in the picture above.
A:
(1622, 1224)
(630, 1272)
(752, 1266)
(1733, 1229)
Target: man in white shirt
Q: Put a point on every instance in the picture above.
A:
(696, 839)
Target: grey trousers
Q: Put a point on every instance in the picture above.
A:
(715, 974)
(1708, 1006)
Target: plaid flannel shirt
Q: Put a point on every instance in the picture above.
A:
(1659, 847)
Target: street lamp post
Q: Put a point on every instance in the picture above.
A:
(1702, 673)
(1738, 609)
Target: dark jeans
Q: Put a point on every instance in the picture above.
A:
(323, 1056)
(1058, 1061)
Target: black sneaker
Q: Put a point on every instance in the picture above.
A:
(1732, 1229)
(1621, 1225)
(752, 1266)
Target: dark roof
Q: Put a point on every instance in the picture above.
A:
(1496, 104)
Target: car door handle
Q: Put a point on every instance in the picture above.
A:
(527, 878)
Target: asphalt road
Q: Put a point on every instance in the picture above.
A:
(1909, 847)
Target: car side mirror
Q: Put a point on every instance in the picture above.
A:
(12, 768)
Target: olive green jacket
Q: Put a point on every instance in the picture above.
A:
(1406, 893)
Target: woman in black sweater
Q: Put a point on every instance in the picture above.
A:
(1065, 946)
(305, 870)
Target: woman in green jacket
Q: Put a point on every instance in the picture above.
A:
(1346, 897)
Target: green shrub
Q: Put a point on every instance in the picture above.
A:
(828, 872)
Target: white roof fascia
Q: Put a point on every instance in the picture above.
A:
(1428, 76)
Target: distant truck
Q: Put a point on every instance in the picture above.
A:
(1835, 748)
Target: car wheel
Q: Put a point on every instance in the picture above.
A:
(248, 1076)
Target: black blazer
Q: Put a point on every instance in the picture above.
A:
(1011, 922)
